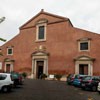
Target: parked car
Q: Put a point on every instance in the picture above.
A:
(98, 87)
(70, 79)
(78, 79)
(90, 82)
(17, 78)
(6, 82)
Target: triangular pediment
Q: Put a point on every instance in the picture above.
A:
(8, 60)
(50, 18)
(40, 53)
(84, 58)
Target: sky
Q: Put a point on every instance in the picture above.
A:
(84, 14)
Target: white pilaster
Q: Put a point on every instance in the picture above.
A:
(5, 67)
(76, 68)
(11, 67)
(32, 74)
(90, 69)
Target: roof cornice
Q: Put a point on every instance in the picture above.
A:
(47, 24)
(46, 13)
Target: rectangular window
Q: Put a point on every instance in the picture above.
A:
(9, 51)
(84, 46)
(41, 32)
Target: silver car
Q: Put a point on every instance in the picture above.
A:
(6, 82)
(98, 87)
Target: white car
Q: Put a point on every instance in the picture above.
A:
(6, 82)
(98, 87)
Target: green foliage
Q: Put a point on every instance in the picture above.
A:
(2, 19)
(43, 76)
(24, 74)
(1, 39)
(58, 76)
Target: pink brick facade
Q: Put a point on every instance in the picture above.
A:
(59, 53)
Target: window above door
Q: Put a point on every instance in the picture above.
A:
(41, 30)
(9, 51)
(84, 44)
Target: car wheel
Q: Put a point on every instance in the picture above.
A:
(83, 88)
(94, 88)
(5, 89)
(68, 83)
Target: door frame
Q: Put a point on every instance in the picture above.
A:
(39, 56)
(90, 66)
(83, 59)
(11, 66)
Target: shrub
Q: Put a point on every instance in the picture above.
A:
(43, 76)
(24, 74)
(58, 76)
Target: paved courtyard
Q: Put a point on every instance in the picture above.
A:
(48, 90)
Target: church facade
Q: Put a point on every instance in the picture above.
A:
(50, 44)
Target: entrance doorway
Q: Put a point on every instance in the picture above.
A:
(40, 67)
(83, 69)
(8, 68)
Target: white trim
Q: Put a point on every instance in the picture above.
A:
(34, 64)
(76, 68)
(8, 49)
(11, 70)
(90, 69)
(90, 66)
(0, 65)
(11, 66)
(37, 32)
(32, 74)
(79, 45)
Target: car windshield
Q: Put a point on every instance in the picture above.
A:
(3, 77)
(15, 75)
(80, 76)
(87, 78)
(70, 75)
(76, 76)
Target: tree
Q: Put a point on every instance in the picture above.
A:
(1, 20)
(1, 39)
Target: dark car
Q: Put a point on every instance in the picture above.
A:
(70, 79)
(90, 82)
(17, 78)
(78, 79)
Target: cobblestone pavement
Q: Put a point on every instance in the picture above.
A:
(48, 90)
